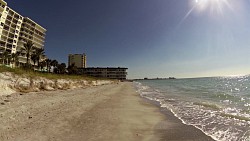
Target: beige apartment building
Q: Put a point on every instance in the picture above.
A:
(79, 60)
(16, 30)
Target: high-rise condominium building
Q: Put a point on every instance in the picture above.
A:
(16, 30)
(79, 60)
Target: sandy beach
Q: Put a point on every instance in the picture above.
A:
(104, 113)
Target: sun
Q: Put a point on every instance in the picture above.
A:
(218, 9)
(212, 6)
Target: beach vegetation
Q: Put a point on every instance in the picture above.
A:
(72, 69)
(35, 74)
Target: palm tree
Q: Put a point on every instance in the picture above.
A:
(5, 57)
(14, 58)
(48, 61)
(34, 59)
(54, 63)
(2, 57)
(39, 53)
(61, 68)
(72, 69)
(42, 65)
(28, 49)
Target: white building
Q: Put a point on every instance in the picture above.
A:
(16, 30)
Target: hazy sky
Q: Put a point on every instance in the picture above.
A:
(153, 38)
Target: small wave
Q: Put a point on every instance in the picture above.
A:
(223, 96)
(208, 105)
(235, 116)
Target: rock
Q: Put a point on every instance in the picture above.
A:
(5, 87)
(23, 84)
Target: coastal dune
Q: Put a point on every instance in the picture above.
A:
(104, 113)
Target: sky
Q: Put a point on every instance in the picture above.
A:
(152, 38)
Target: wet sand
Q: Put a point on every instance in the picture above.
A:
(104, 113)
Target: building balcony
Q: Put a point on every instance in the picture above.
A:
(39, 40)
(7, 22)
(12, 32)
(36, 44)
(3, 39)
(9, 18)
(5, 35)
(30, 30)
(26, 31)
(40, 35)
(2, 45)
(13, 26)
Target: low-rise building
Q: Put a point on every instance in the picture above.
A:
(110, 73)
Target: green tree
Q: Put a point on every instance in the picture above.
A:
(34, 59)
(15, 58)
(61, 68)
(5, 57)
(28, 50)
(54, 63)
(39, 53)
(72, 69)
(42, 65)
(48, 61)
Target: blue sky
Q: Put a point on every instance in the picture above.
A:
(153, 38)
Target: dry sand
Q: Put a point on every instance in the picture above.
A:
(105, 113)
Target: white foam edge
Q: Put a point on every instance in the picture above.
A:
(183, 122)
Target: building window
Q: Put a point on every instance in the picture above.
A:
(16, 31)
(15, 36)
(2, 24)
(14, 46)
(14, 41)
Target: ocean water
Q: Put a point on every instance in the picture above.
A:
(218, 106)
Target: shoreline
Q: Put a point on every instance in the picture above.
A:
(179, 131)
(108, 113)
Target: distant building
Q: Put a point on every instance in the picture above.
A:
(16, 30)
(79, 60)
(111, 73)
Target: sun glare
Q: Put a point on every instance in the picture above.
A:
(213, 6)
(217, 9)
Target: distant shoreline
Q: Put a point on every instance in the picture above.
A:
(155, 78)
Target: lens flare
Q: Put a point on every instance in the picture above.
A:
(213, 6)
(218, 10)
